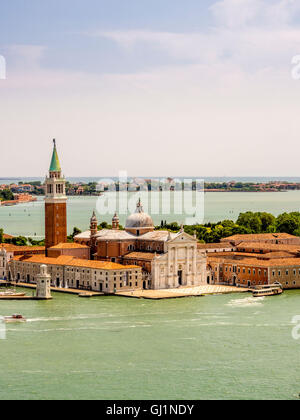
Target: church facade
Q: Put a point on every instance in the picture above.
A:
(168, 260)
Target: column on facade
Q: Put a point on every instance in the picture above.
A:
(188, 273)
(194, 273)
(175, 266)
(169, 267)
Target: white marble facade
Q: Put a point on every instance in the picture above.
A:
(182, 264)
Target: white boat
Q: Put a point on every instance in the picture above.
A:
(14, 318)
(269, 290)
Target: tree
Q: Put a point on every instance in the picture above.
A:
(288, 222)
(33, 242)
(251, 221)
(6, 195)
(267, 219)
(1, 236)
(76, 231)
(19, 241)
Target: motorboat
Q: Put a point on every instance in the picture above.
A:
(14, 318)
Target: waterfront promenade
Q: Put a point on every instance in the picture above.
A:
(183, 292)
(54, 289)
(147, 294)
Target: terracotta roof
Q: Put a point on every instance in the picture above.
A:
(215, 245)
(275, 262)
(158, 235)
(140, 256)
(262, 246)
(259, 236)
(114, 235)
(12, 248)
(65, 260)
(83, 235)
(6, 236)
(69, 246)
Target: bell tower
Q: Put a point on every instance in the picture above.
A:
(116, 222)
(94, 231)
(55, 204)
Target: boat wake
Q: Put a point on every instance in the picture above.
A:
(246, 302)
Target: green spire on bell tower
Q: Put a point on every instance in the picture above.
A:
(55, 165)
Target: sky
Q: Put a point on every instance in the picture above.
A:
(152, 87)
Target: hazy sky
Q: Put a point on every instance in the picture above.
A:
(154, 87)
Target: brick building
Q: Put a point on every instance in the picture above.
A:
(257, 262)
(69, 272)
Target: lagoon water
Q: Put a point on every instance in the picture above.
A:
(28, 219)
(229, 346)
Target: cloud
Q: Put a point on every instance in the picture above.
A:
(250, 36)
(226, 91)
(240, 13)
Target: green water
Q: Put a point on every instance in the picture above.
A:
(28, 219)
(223, 347)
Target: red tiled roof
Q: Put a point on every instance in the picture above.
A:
(66, 260)
(69, 246)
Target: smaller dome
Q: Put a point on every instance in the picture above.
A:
(139, 219)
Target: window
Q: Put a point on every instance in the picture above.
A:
(287, 272)
(279, 273)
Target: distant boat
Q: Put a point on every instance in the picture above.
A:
(14, 318)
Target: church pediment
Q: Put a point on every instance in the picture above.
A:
(183, 237)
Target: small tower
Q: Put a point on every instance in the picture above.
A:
(94, 231)
(55, 204)
(43, 284)
(3, 263)
(116, 222)
(93, 224)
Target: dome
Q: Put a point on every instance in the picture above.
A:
(139, 219)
